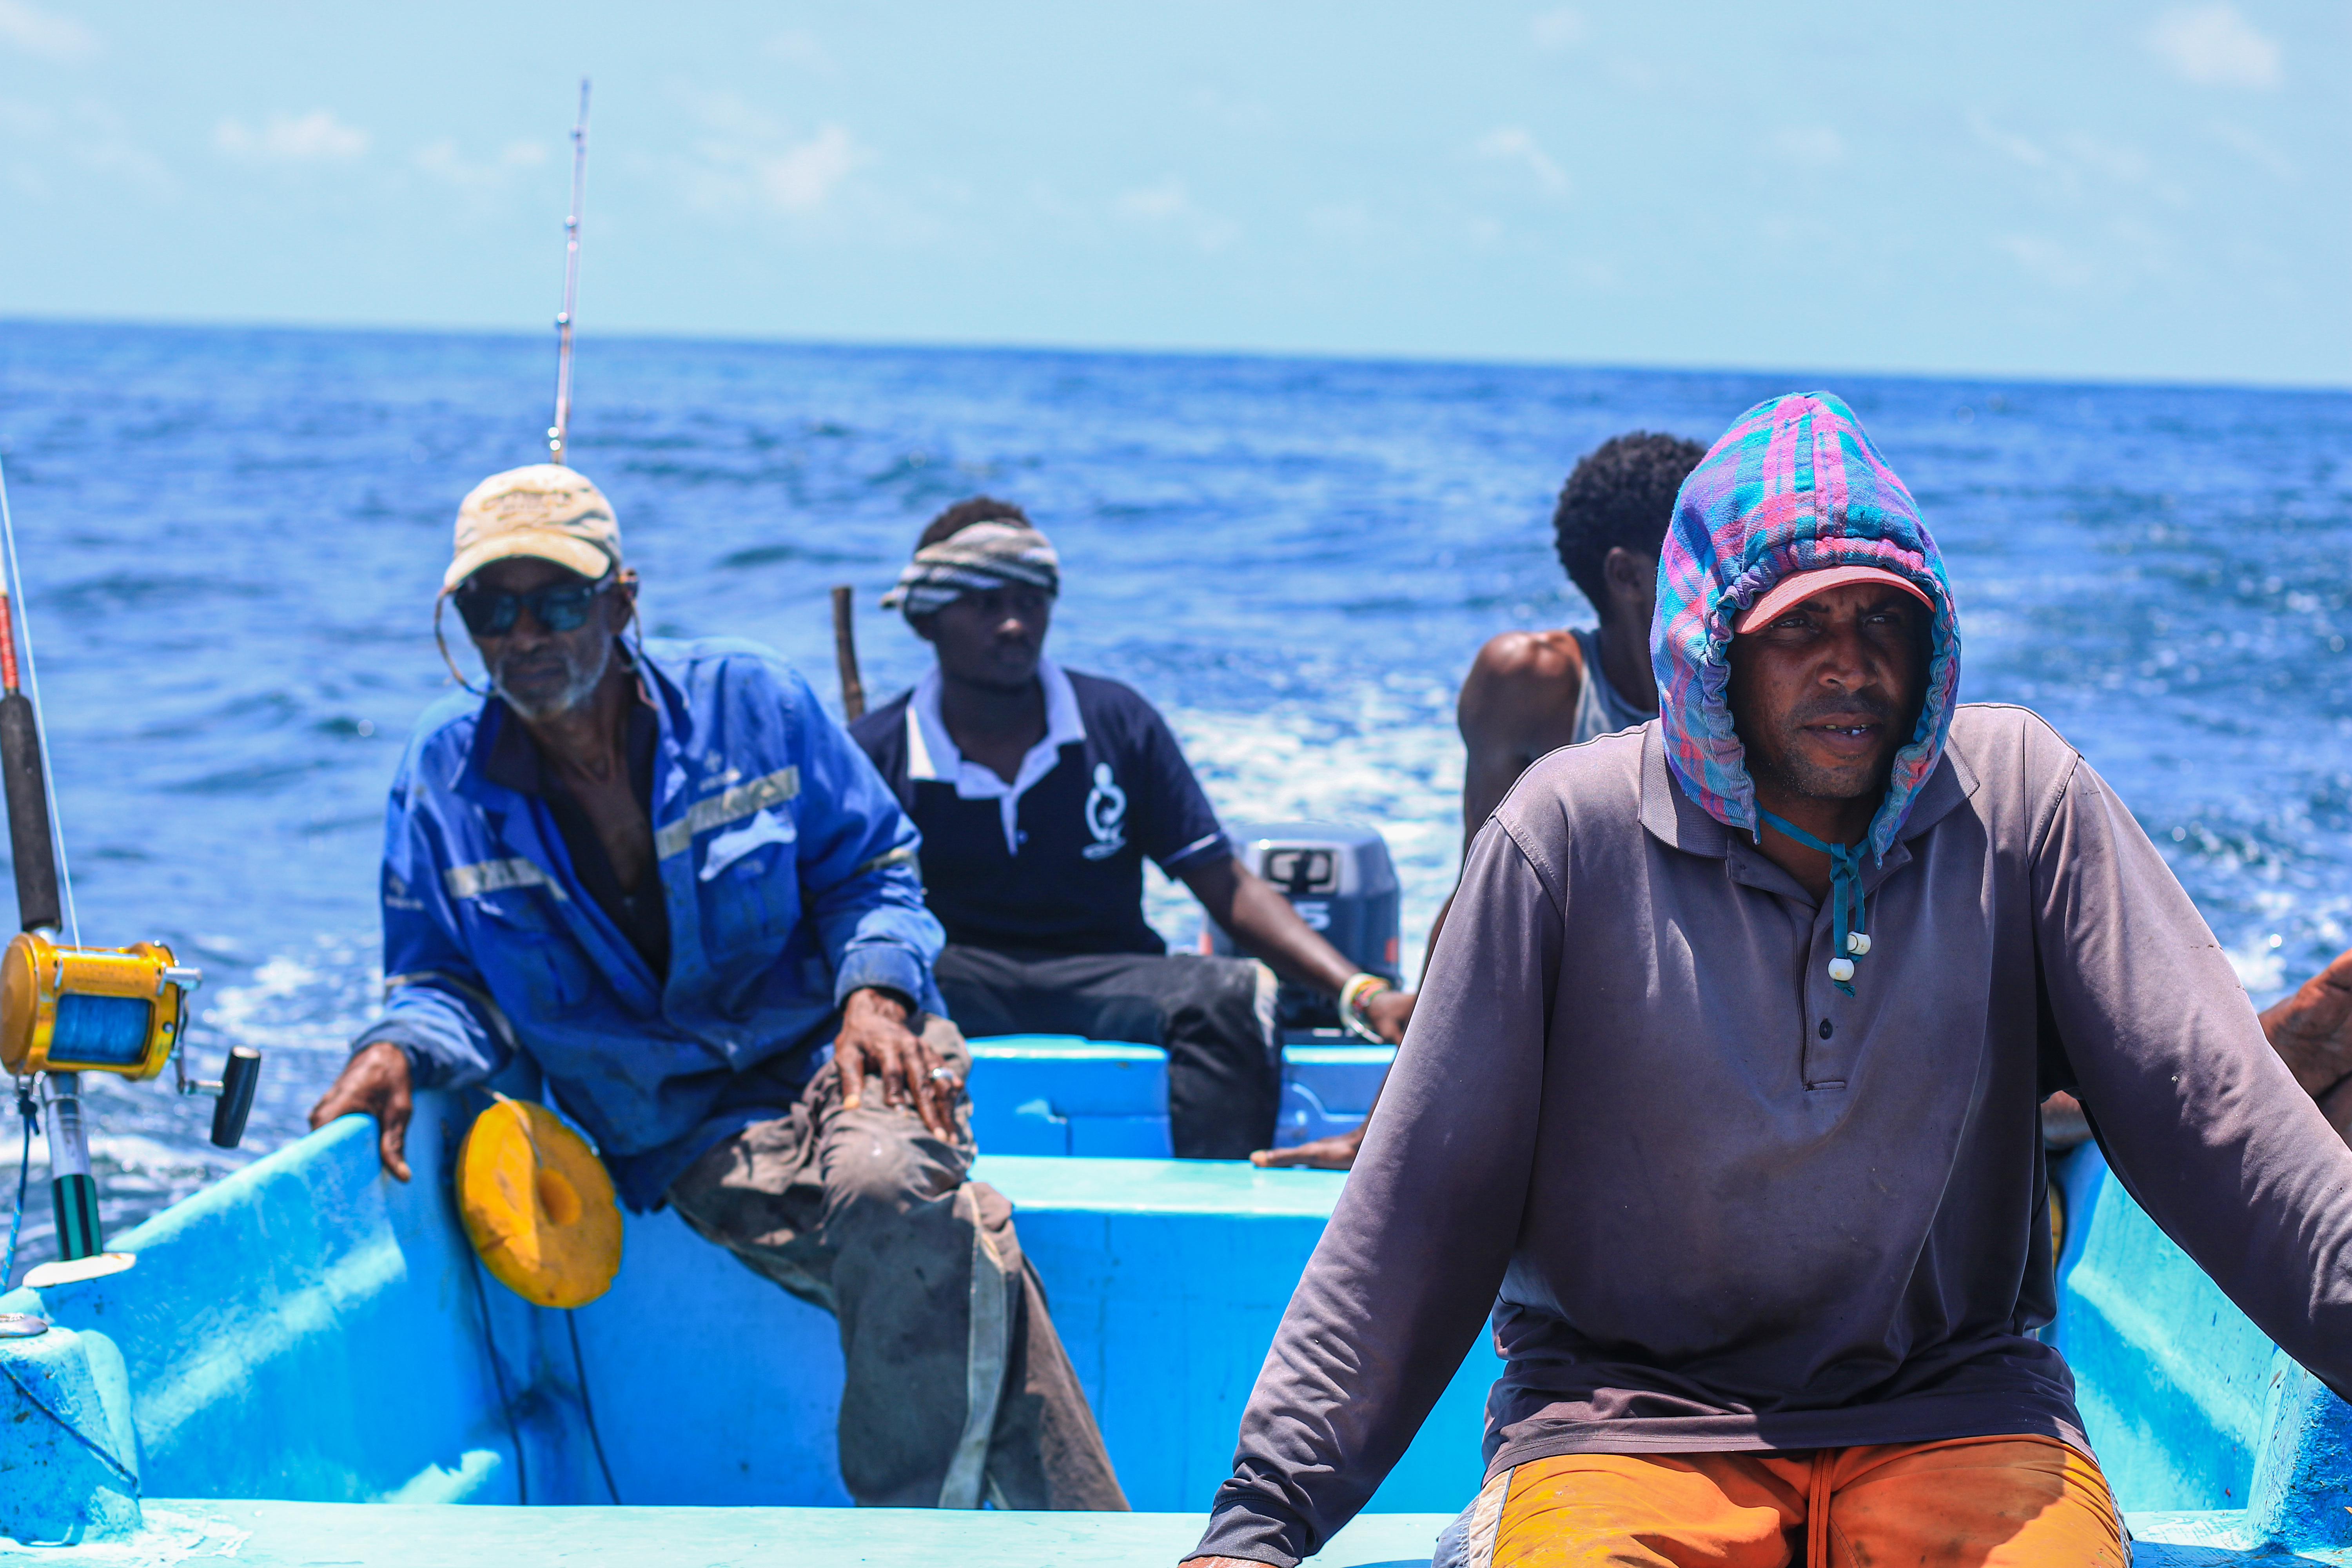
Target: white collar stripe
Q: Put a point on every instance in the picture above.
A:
(932, 755)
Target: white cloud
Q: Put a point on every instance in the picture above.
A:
(2256, 150)
(2215, 46)
(1517, 147)
(2047, 260)
(446, 162)
(35, 32)
(1816, 145)
(1156, 203)
(1557, 29)
(86, 138)
(1168, 204)
(763, 168)
(803, 177)
(749, 162)
(1638, 75)
(2117, 161)
(317, 137)
(1341, 220)
(2075, 165)
(802, 50)
(2025, 151)
(1233, 113)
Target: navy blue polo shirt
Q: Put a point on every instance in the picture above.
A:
(1051, 862)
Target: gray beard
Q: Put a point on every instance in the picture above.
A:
(1813, 783)
(576, 691)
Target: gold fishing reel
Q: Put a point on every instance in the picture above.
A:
(90, 1009)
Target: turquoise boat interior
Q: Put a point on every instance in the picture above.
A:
(307, 1364)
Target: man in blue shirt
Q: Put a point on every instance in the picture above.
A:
(1040, 792)
(659, 874)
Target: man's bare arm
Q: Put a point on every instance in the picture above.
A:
(1265, 924)
(1518, 702)
(2312, 1030)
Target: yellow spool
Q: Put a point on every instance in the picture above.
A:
(538, 1206)
(37, 976)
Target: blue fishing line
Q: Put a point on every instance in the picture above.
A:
(580, 1366)
(108, 1031)
(31, 1114)
(498, 1377)
(122, 1470)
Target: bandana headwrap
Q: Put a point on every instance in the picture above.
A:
(993, 554)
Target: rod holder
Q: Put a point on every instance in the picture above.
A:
(72, 1189)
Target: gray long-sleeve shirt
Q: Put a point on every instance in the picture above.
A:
(1715, 1204)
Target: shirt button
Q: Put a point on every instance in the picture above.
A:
(1826, 1030)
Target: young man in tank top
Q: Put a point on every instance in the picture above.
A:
(1529, 693)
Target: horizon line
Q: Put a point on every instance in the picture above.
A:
(753, 338)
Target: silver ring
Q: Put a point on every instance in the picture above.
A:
(941, 1075)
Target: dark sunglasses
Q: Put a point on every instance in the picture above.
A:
(561, 607)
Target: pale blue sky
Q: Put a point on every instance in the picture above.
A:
(2125, 189)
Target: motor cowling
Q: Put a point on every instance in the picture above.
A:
(1340, 880)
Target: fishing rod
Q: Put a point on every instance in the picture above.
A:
(844, 653)
(559, 433)
(66, 1009)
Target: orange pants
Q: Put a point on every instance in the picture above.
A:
(1971, 1502)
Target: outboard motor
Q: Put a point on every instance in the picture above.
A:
(1340, 879)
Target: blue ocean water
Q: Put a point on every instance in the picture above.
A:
(232, 539)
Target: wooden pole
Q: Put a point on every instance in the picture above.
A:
(844, 653)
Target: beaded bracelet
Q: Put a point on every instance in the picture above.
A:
(1353, 996)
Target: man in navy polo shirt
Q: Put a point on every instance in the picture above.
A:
(1038, 792)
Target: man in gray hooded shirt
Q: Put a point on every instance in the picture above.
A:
(1721, 1096)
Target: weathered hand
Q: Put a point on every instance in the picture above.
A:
(2063, 1125)
(1387, 1013)
(2312, 1030)
(1337, 1152)
(875, 1044)
(374, 1082)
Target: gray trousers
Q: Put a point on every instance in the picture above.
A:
(957, 1389)
(1214, 1016)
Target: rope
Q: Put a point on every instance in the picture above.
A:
(41, 718)
(122, 1470)
(571, 1323)
(580, 1366)
(1845, 882)
(32, 1114)
(498, 1377)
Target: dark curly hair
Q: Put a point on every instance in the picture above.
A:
(964, 513)
(1621, 493)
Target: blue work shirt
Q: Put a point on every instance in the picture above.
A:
(788, 872)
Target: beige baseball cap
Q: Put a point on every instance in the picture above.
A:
(547, 510)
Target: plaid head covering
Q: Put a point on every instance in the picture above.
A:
(997, 554)
(1794, 485)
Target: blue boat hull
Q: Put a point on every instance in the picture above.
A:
(312, 1333)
